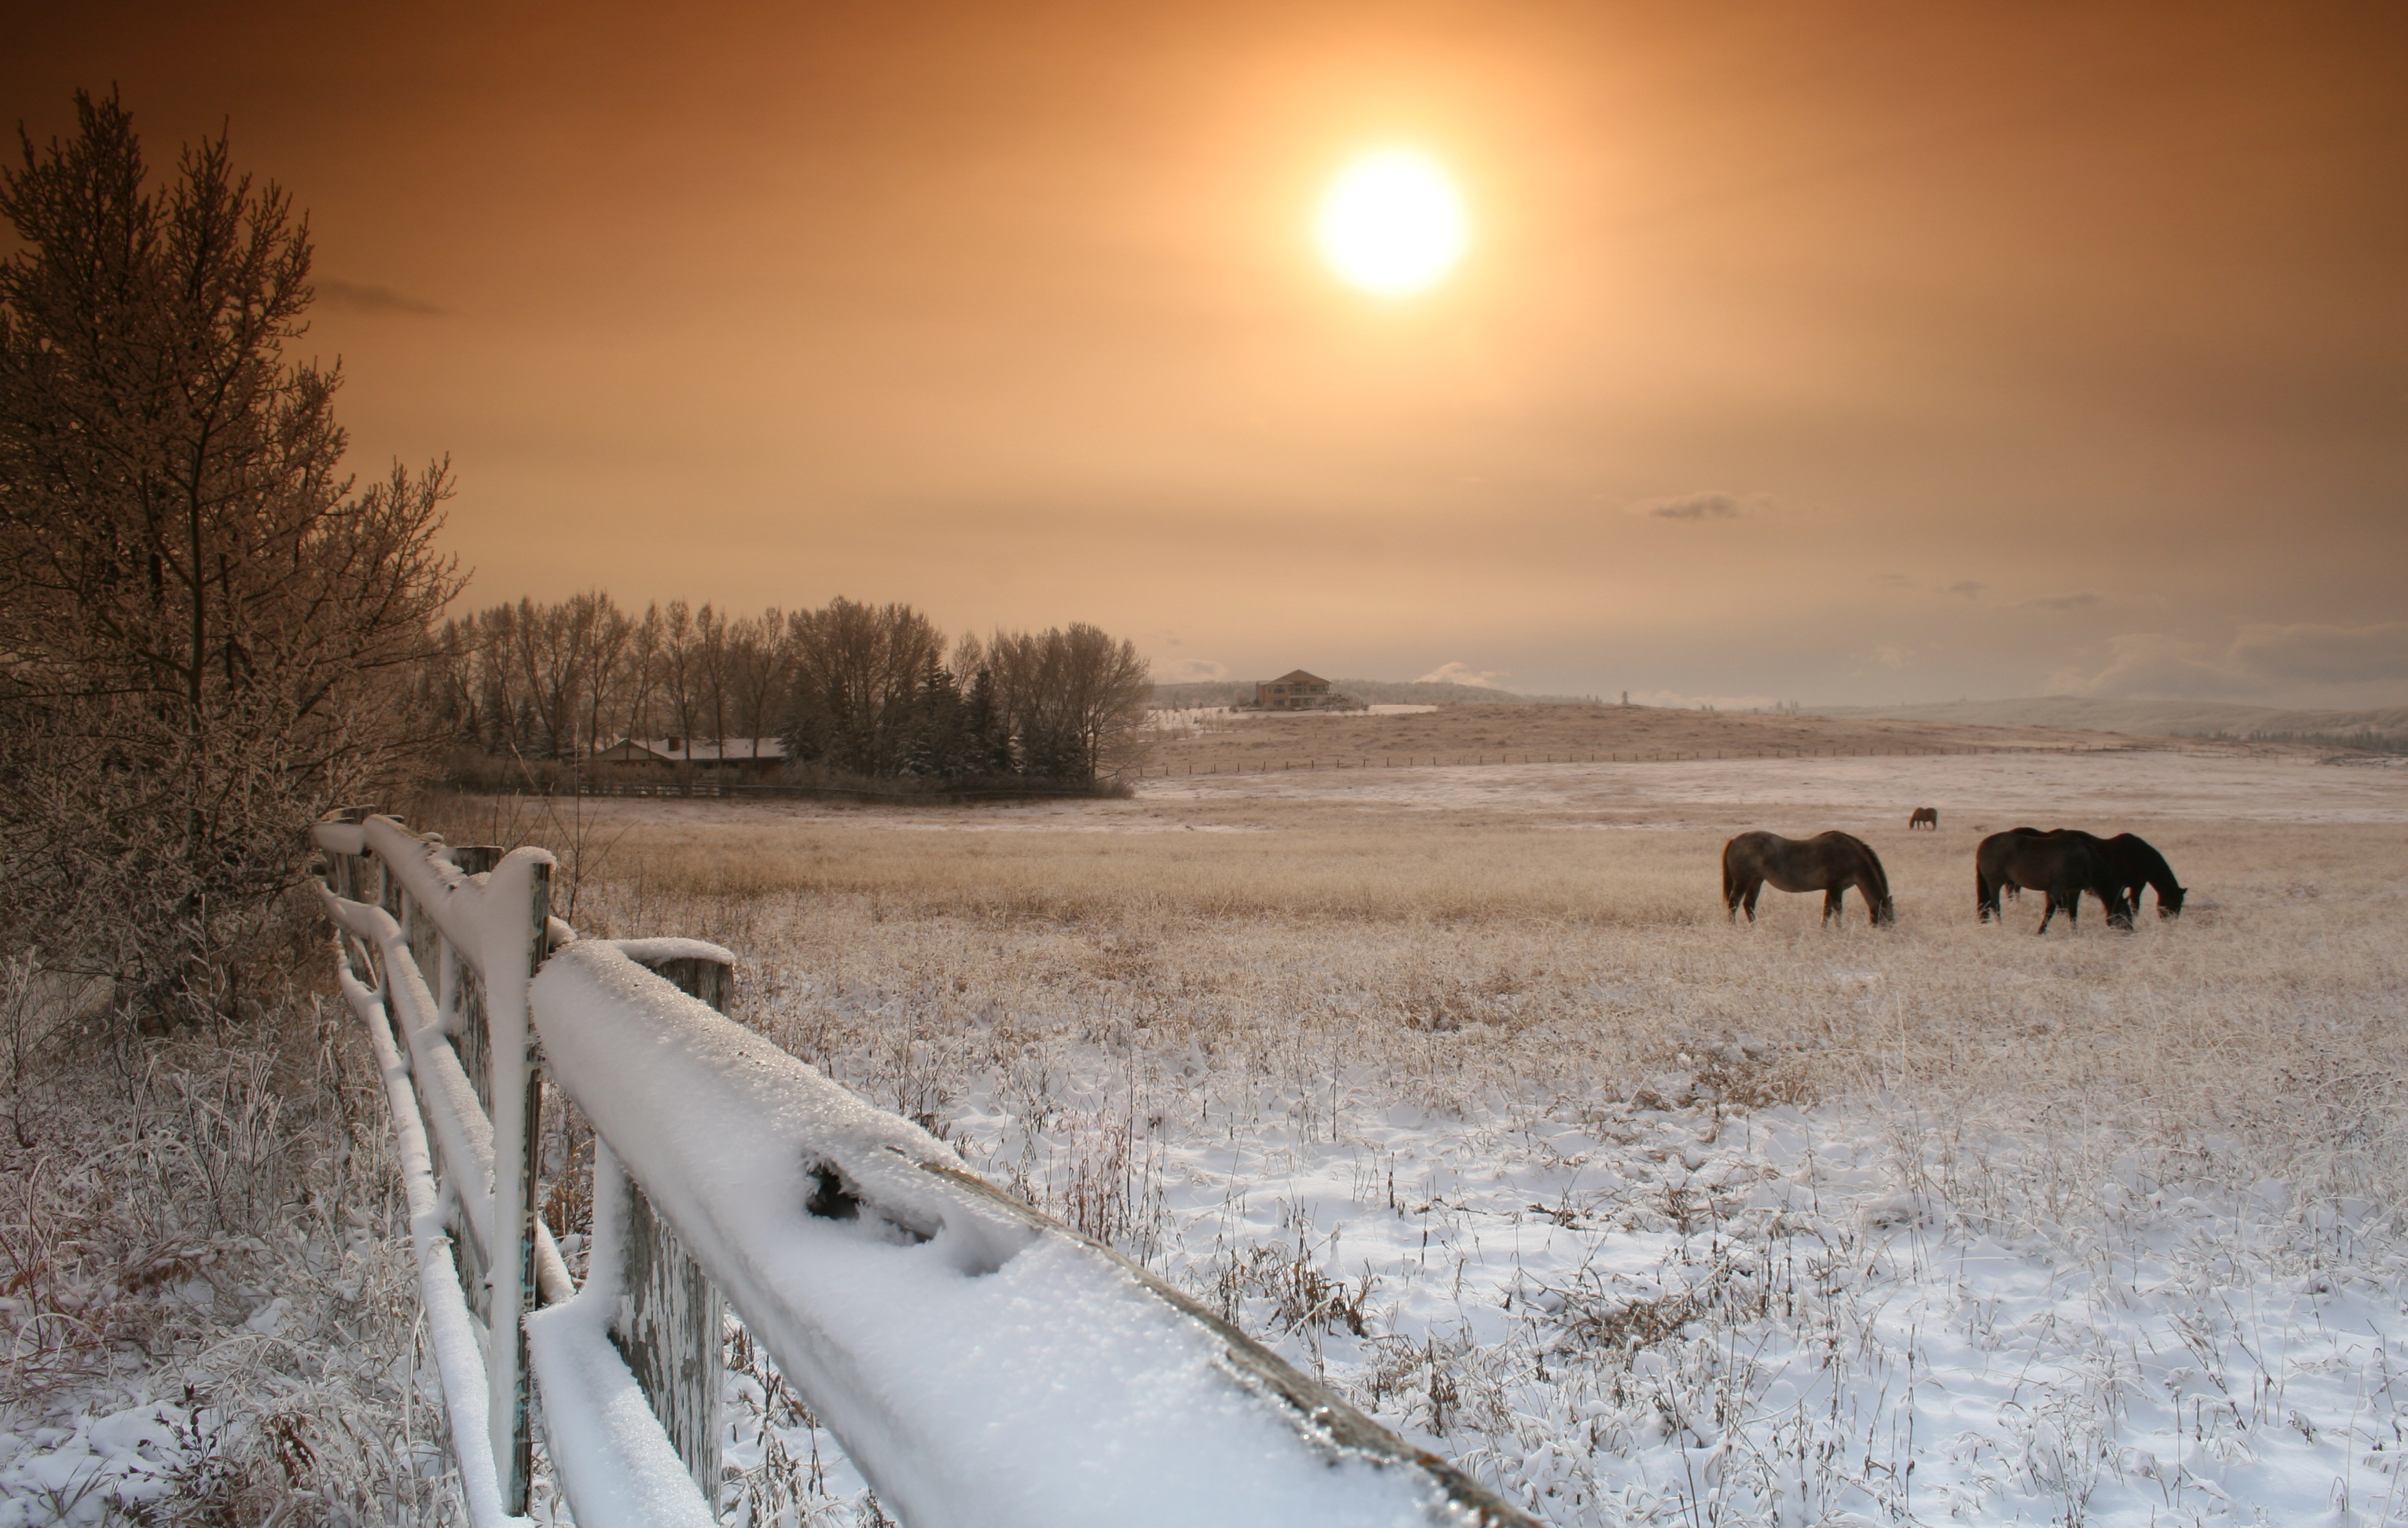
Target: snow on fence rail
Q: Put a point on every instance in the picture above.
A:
(981, 1364)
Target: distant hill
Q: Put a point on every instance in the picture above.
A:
(1374, 692)
(2386, 727)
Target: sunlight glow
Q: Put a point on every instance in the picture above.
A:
(1393, 224)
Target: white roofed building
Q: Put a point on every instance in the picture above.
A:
(725, 753)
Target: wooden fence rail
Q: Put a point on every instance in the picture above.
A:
(981, 1363)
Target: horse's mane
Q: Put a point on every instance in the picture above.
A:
(2145, 857)
(1873, 867)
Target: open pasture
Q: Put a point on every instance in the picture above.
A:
(1200, 742)
(1459, 1088)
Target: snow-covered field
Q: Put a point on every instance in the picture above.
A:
(1505, 1132)
(1458, 1088)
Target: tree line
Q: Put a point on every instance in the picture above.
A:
(852, 691)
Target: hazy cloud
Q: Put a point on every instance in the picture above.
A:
(1190, 670)
(362, 298)
(2063, 601)
(1698, 507)
(1893, 581)
(2331, 655)
(2152, 663)
(1462, 673)
(1967, 589)
(2261, 659)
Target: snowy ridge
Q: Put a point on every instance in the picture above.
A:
(653, 952)
(981, 1365)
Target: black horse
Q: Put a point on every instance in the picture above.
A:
(2064, 864)
(1827, 862)
(2135, 864)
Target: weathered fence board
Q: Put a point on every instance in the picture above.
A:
(670, 1318)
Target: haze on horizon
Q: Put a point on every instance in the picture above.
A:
(1848, 352)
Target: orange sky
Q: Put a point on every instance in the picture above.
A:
(1964, 350)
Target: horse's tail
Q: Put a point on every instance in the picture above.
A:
(1731, 876)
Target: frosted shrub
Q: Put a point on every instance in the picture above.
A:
(209, 1307)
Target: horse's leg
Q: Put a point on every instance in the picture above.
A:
(2049, 913)
(1755, 889)
(1831, 902)
(1986, 898)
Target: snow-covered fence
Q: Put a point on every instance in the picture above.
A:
(981, 1364)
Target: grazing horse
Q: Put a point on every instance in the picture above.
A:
(1924, 816)
(2064, 863)
(1827, 862)
(2133, 862)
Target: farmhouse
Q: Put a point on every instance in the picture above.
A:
(1298, 691)
(752, 755)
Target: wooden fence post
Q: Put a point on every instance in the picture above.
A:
(516, 1115)
(669, 1325)
(467, 1000)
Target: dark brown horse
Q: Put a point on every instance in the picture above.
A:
(1827, 862)
(1924, 816)
(2064, 864)
(2135, 864)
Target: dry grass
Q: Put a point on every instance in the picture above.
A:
(1463, 734)
(1555, 947)
(1552, 956)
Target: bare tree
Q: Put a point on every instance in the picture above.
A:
(710, 660)
(1070, 701)
(760, 670)
(645, 641)
(858, 672)
(607, 630)
(682, 670)
(207, 631)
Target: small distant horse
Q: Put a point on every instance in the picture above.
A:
(1924, 816)
(1827, 862)
(2135, 864)
(2064, 863)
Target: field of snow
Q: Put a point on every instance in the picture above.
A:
(1992, 790)
(1504, 1131)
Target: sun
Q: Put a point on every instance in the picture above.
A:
(1392, 224)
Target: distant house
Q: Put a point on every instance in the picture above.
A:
(759, 754)
(1298, 691)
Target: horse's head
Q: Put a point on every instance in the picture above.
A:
(1886, 912)
(2170, 903)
